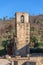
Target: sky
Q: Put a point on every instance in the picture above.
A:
(10, 7)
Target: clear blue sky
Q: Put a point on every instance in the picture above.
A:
(9, 7)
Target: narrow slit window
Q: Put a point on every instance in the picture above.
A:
(22, 19)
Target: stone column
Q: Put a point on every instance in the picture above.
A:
(12, 63)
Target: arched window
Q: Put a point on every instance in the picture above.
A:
(22, 19)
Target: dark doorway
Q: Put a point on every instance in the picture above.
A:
(29, 63)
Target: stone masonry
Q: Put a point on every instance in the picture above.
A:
(22, 40)
(21, 47)
(23, 33)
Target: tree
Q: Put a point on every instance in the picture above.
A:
(35, 41)
(5, 43)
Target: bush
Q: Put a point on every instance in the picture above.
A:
(35, 41)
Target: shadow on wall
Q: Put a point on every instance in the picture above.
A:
(29, 63)
(23, 51)
(25, 63)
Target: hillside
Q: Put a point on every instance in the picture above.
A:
(36, 23)
(7, 28)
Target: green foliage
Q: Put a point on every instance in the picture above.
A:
(40, 44)
(5, 43)
(1, 47)
(35, 41)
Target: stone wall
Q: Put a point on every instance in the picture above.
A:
(23, 33)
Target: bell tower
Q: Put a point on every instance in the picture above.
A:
(22, 33)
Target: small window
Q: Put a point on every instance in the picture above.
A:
(22, 19)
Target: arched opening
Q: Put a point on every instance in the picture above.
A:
(22, 19)
(29, 63)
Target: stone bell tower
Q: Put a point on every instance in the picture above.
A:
(22, 33)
